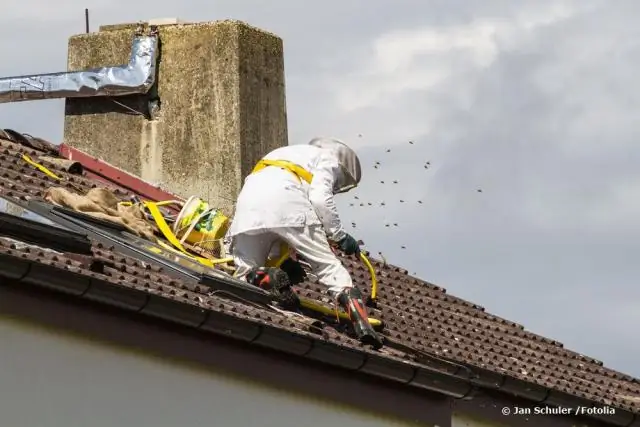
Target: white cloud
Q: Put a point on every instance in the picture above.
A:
(404, 75)
(427, 61)
(395, 66)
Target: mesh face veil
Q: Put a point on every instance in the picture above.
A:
(347, 159)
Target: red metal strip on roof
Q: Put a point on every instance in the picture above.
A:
(104, 171)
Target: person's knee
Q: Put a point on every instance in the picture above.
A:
(336, 278)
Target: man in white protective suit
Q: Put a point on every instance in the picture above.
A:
(289, 197)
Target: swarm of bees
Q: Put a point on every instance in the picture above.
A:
(379, 165)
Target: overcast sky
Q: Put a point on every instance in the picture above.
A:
(533, 102)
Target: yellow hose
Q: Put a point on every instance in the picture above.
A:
(372, 273)
(317, 307)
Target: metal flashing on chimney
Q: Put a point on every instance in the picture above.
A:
(136, 77)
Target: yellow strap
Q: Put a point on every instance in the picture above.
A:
(40, 167)
(204, 261)
(162, 225)
(168, 234)
(297, 170)
(157, 217)
(162, 203)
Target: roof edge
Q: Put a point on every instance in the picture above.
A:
(25, 272)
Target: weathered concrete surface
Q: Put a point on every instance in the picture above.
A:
(222, 93)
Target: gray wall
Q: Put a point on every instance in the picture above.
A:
(53, 380)
(461, 420)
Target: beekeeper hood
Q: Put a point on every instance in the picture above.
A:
(347, 160)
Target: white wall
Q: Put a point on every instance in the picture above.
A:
(459, 420)
(53, 380)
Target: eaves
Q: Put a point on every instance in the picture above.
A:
(456, 384)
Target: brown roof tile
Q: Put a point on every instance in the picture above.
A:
(415, 312)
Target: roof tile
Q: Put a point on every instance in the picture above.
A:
(415, 312)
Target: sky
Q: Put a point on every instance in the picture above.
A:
(525, 111)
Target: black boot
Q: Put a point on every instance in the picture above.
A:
(351, 302)
(277, 283)
(294, 270)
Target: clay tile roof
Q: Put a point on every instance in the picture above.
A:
(416, 313)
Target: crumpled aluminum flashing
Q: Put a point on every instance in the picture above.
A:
(136, 77)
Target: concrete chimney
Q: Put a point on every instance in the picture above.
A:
(218, 105)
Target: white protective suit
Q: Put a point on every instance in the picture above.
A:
(275, 205)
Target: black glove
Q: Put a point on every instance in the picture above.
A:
(349, 245)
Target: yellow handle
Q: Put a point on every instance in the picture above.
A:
(40, 167)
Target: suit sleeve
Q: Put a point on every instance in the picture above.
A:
(322, 199)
